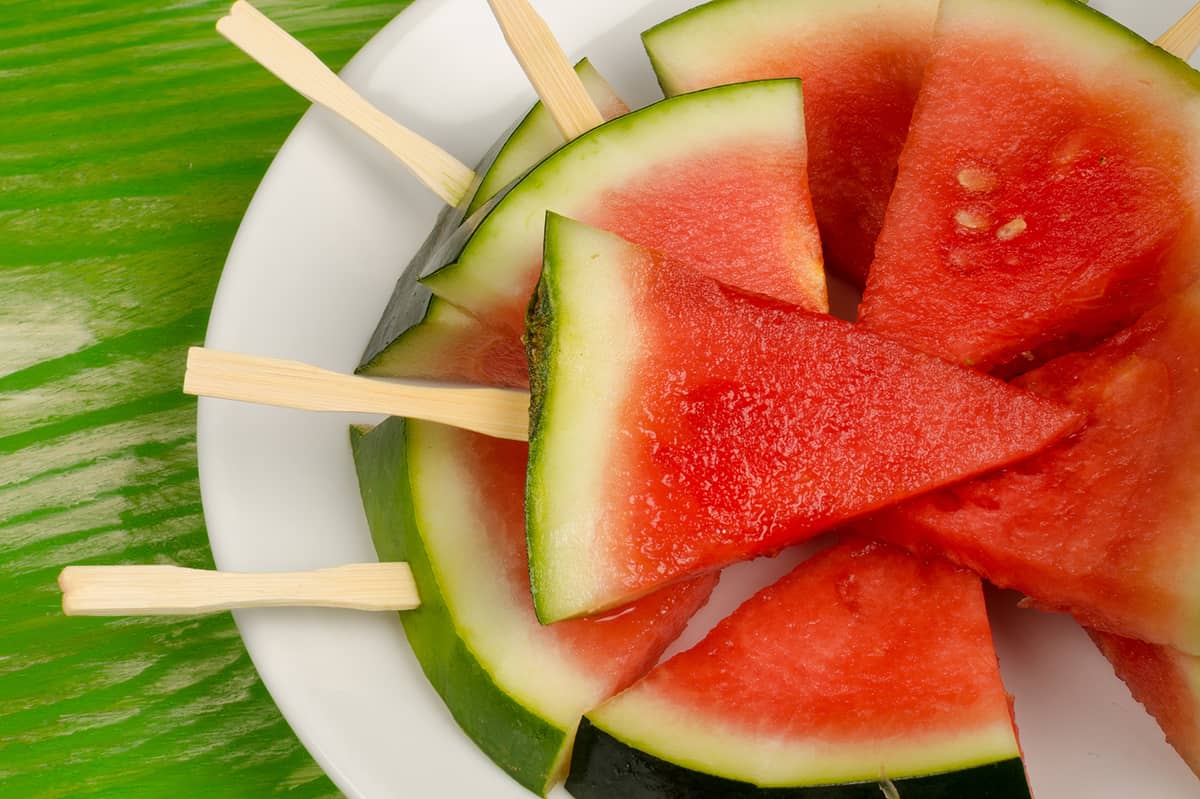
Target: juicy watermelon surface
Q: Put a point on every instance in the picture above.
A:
(1103, 175)
(1103, 525)
(1045, 192)
(747, 197)
(729, 425)
(862, 663)
(865, 655)
(861, 64)
(763, 450)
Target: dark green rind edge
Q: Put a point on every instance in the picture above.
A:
(541, 350)
(537, 177)
(602, 767)
(527, 747)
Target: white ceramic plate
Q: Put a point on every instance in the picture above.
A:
(309, 273)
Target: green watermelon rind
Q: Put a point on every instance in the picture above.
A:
(642, 722)
(910, 631)
(530, 749)
(536, 136)
(492, 265)
(1028, 14)
(541, 350)
(568, 414)
(604, 766)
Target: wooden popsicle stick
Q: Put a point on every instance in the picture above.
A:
(546, 65)
(171, 590)
(499, 412)
(295, 65)
(1182, 38)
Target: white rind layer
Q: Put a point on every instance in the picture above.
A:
(593, 354)
(492, 616)
(650, 723)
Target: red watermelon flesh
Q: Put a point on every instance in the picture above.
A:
(1167, 682)
(863, 663)
(1046, 189)
(742, 241)
(719, 426)
(1105, 524)
(861, 65)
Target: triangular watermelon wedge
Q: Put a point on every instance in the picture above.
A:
(863, 673)
(679, 425)
(1047, 191)
(861, 62)
(1103, 526)
(450, 503)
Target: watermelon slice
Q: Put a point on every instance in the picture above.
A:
(861, 62)
(1047, 189)
(450, 503)
(1103, 525)
(1167, 682)
(679, 425)
(863, 673)
(448, 344)
(718, 176)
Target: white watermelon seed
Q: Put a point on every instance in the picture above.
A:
(972, 219)
(1012, 229)
(976, 179)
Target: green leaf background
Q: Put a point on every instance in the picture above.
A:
(131, 139)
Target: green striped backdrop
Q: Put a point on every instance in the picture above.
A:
(131, 140)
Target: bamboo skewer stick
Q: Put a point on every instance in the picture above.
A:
(295, 65)
(1182, 38)
(172, 590)
(547, 67)
(499, 412)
